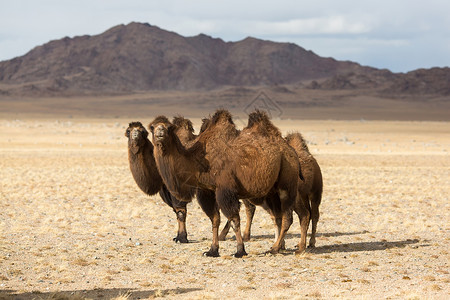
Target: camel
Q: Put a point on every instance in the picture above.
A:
(310, 190)
(309, 194)
(249, 208)
(145, 173)
(229, 165)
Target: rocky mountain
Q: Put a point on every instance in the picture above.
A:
(140, 57)
(434, 81)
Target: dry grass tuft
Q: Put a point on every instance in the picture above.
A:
(429, 278)
(81, 262)
(315, 295)
(283, 285)
(364, 281)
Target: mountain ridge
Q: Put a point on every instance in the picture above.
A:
(141, 57)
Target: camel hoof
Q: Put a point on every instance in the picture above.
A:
(312, 246)
(272, 251)
(299, 251)
(246, 238)
(211, 253)
(181, 240)
(240, 254)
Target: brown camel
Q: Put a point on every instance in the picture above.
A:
(145, 173)
(309, 192)
(249, 208)
(249, 165)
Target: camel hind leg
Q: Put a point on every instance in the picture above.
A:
(225, 230)
(303, 211)
(315, 214)
(286, 200)
(249, 212)
(229, 204)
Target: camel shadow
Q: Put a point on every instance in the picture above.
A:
(336, 234)
(295, 235)
(353, 247)
(96, 294)
(364, 246)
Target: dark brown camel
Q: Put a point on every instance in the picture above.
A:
(145, 173)
(248, 165)
(309, 192)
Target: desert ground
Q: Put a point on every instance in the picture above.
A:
(74, 225)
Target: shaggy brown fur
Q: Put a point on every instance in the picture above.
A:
(247, 165)
(145, 173)
(310, 190)
(309, 193)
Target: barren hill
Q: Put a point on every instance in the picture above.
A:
(139, 57)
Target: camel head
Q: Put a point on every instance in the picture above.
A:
(162, 130)
(182, 123)
(137, 136)
(183, 128)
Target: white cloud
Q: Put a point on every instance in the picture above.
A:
(311, 26)
(347, 29)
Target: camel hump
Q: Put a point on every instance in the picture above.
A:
(261, 121)
(222, 115)
(296, 140)
(181, 122)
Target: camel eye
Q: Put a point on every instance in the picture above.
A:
(152, 128)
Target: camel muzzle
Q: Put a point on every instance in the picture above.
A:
(159, 132)
(134, 134)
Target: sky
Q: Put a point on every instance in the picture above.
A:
(399, 35)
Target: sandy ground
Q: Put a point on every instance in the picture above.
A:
(74, 225)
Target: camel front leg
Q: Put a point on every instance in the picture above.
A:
(207, 202)
(181, 219)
